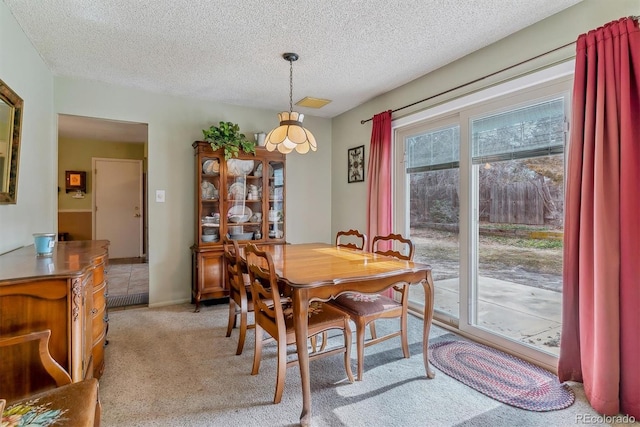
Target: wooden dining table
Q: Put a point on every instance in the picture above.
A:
(319, 271)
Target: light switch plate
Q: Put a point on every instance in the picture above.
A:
(160, 196)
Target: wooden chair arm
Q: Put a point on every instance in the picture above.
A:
(57, 372)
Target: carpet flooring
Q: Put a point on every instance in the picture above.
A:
(169, 366)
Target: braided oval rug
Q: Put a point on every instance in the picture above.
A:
(500, 376)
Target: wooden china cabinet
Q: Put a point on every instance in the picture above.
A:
(242, 198)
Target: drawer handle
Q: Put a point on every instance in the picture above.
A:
(94, 311)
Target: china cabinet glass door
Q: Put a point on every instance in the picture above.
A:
(244, 206)
(209, 205)
(276, 215)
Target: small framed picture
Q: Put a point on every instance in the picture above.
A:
(356, 164)
(76, 181)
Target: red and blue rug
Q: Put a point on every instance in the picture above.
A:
(500, 376)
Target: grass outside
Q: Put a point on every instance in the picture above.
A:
(507, 256)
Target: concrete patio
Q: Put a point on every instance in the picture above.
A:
(523, 313)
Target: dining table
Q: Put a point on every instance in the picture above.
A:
(320, 271)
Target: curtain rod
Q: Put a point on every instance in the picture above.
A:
(474, 81)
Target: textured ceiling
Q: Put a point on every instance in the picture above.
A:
(230, 50)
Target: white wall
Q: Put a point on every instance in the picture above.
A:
(22, 69)
(349, 200)
(174, 123)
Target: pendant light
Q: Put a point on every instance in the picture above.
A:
(290, 135)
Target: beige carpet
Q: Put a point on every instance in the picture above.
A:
(171, 367)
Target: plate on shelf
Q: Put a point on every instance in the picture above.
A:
(239, 214)
(239, 167)
(208, 190)
(211, 167)
(237, 191)
(258, 171)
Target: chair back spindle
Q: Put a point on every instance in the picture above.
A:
(394, 240)
(352, 239)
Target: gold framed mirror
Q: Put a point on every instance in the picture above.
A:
(10, 124)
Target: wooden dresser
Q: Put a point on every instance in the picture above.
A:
(64, 293)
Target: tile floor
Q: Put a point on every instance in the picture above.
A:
(127, 277)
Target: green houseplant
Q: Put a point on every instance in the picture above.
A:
(227, 135)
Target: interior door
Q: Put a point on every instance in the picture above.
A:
(117, 186)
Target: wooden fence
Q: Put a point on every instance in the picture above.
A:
(517, 203)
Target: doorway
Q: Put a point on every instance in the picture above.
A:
(117, 144)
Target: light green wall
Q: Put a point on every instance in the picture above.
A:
(76, 155)
(349, 200)
(23, 70)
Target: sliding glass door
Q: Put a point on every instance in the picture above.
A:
(518, 180)
(432, 177)
(479, 190)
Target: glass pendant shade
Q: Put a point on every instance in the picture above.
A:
(290, 135)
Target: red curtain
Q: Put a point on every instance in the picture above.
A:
(379, 177)
(379, 181)
(600, 341)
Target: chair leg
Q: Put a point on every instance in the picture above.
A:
(243, 329)
(360, 331)
(282, 369)
(372, 328)
(232, 317)
(314, 343)
(403, 335)
(325, 336)
(347, 352)
(257, 353)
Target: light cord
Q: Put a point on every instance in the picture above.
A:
(290, 86)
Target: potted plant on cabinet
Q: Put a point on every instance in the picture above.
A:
(227, 136)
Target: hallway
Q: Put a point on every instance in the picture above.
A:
(128, 282)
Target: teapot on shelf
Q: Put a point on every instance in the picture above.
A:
(253, 192)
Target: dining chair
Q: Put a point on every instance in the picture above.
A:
(364, 309)
(274, 315)
(351, 239)
(56, 372)
(78, 402)
(240, 301)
